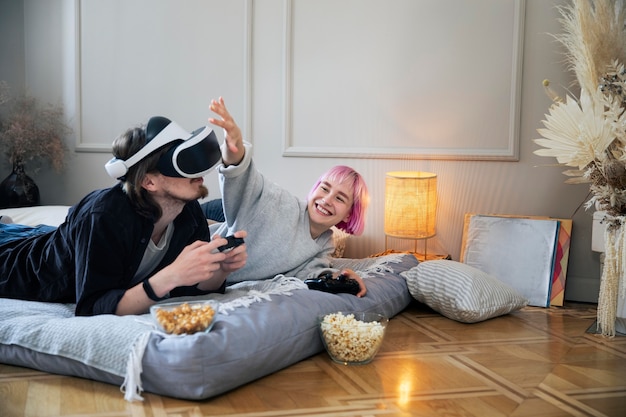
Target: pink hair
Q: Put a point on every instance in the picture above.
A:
(360, 197)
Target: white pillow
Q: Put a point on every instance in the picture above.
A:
(36, 215)
(461, 292)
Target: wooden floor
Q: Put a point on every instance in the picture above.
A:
(536, 362)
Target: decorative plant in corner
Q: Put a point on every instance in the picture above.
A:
(589, 132)
(31, 136)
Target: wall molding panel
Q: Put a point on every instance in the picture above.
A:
(131, 65)
(360, 85)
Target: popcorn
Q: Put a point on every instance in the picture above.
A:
(350, 340)
(185, 318)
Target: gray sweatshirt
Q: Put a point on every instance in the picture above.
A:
(279, 238)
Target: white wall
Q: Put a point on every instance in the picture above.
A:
(12, 43)
(525, 187)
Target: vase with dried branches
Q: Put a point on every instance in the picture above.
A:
(31, 135)
(588, 133)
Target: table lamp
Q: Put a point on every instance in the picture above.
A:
(410, 206)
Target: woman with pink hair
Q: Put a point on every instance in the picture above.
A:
(285, 235)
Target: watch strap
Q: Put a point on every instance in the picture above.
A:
(150, 292)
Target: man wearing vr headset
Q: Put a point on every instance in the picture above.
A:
(124, 248)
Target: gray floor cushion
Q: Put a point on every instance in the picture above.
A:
(264, 327)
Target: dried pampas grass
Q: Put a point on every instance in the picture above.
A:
(593, 38)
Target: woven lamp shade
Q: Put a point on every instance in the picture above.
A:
(410, 204)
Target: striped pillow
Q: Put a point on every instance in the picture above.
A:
(461, 292)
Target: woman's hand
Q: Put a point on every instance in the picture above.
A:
(351, 274)
(232, 134)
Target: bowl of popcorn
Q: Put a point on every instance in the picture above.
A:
(352, 338)
(185, 317)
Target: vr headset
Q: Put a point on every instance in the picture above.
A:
(195, 155)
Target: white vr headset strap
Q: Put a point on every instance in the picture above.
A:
(117, 168)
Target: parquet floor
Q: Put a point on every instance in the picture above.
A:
(535, 362)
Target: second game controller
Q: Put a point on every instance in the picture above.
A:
(326, 283)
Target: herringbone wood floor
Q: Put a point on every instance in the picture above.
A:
(535, 362)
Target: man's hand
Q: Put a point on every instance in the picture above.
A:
(198, 262)
(235, 258)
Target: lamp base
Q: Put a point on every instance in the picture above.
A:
(420, 256)
(431, 257)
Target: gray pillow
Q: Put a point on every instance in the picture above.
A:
(461, 292)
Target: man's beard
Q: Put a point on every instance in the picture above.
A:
(203, 192)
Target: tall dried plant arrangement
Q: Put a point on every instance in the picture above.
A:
(31, 134)
(593, 37)
(589, 132)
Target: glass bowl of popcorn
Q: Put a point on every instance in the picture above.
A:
(352, 338)
(185, 317)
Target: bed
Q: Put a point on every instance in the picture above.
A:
(261, 327)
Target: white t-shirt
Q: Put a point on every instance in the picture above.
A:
(154, 253)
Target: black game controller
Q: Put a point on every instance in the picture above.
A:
(233, 242)
(326, 283)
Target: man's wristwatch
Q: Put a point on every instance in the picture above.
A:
(150, 292)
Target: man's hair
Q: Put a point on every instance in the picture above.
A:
(360, 197)
(125, 146)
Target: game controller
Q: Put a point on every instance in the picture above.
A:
(233, 242)
(326, 283)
